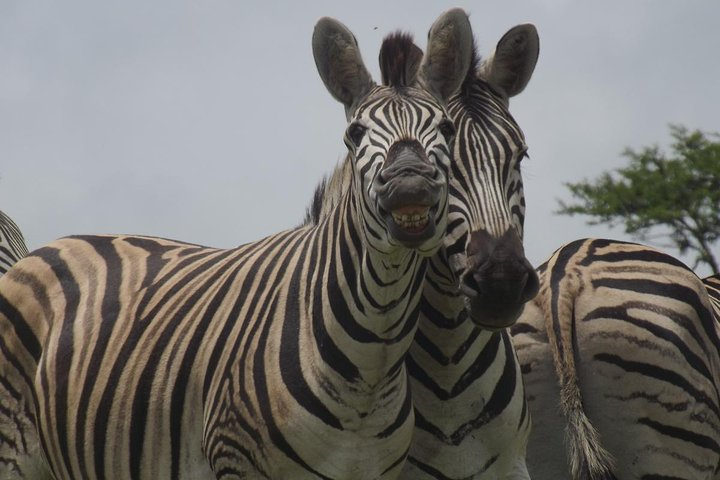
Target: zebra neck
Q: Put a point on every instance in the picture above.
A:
(370, 304)
(447, 342)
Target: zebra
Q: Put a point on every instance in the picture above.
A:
(471, 416)
(620, 353)
(141, 357)
(12, 243)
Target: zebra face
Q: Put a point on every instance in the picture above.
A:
(487, 204)
(398, 134)
(400, 147)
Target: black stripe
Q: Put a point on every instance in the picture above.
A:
(108, 316)
(681, 434)
(672, 290)
(263, 396)
(621, 313)
(290, 362)
(557, 274)
(659, 373)
(65, 351)
(401, 419)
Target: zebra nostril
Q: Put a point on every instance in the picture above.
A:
(532, 285)
(470, 285)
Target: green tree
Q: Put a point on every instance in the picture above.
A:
(675, 196)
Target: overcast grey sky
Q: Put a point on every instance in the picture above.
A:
(207, 121)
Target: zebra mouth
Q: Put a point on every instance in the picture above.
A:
(412, 219)
(411, 225)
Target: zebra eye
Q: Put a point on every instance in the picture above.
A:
(355, 133)
(447, 128)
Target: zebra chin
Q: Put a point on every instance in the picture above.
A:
(490, 312)
(499, 280)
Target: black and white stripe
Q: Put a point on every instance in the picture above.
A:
(12, 243)
(620, 355)
(138, 357)
(471, 415)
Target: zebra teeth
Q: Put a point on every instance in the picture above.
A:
(413, 218)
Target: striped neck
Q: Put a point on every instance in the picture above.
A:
(370, 303)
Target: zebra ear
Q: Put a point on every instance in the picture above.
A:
(339, 63)
(449, 54)
(511, 65)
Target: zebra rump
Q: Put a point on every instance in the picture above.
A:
(621, 349)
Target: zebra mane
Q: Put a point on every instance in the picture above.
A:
(400, 60)
(328, 193)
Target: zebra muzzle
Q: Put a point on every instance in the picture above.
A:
(498, 281)
(409, 190)
(409, 203)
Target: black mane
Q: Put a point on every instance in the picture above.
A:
(399, 60)
(312, 211)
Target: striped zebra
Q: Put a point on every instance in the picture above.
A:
(12, 243)
(621, 358)
(145, 358)
(470, 410)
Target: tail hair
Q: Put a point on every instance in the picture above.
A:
(588, 459)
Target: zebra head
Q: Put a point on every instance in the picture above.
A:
(399, 135)
(487, 204)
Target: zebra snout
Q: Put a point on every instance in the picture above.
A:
(499, 280)
(408, 177)
(410, 193)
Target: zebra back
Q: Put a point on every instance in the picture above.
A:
(12, 243)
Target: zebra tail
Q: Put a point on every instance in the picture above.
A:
(587, 457)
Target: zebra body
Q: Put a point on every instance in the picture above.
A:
(138, 357)
(471, 416)
(620, 349)
(12, 243)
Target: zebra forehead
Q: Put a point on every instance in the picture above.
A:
(399, 107)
